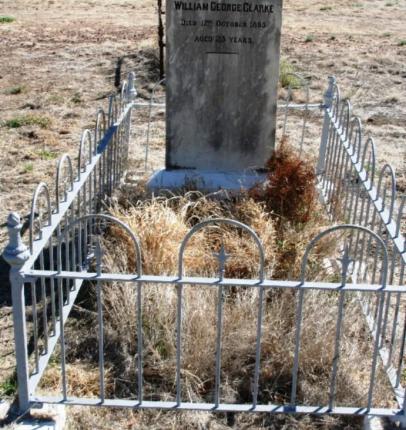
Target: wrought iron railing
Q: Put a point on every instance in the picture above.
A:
(101, 163)
(357, 191)
(65, 239)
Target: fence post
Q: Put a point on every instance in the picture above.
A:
(132, 92)
(16, 254)
(328, 101)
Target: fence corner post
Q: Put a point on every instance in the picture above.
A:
(132, 92)
(16, 254)
(327, 103)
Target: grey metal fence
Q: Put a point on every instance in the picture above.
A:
(66, 241)
(356, 190)
(101, 162)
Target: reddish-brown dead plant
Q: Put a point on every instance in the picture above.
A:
(290, 188)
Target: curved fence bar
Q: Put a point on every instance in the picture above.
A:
(344, 121)
(355, 136)
(388, 171)
(364, 271)
(222, 258)
(124, 93)
(100, 127)
(112, 220)
(65, 160)
(346, 262)
(86, 139)
(42, 189)
(401, 215)
(114, 110)
(368, 164)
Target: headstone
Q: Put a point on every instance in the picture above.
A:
(221, 79)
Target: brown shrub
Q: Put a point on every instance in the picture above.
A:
(290, 189)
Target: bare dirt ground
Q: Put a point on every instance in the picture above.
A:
(58, 65)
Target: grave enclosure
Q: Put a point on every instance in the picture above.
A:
(221, 113)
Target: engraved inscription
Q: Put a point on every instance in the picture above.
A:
(246, 15)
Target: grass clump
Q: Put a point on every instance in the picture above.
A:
(77, 99)
(17, 89)
(5, 19)
(287, 77)
(162, 223)
(28, 168)
(309, 38)
(8, 388)
(45, 154)
(28, 120)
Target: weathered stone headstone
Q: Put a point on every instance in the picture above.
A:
(221, 78)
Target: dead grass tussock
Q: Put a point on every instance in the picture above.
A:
(161, 224)
(105, 419)
(83, 380)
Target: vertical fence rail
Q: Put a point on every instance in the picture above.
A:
(16, 254)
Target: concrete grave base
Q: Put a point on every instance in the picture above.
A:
(204, 180)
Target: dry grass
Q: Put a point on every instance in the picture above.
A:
(161, 224)
(83, 380)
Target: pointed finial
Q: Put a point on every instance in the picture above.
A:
(328, 95)
(345, 264)
(16, 253)
(222, 258)
(132, 92)
(98, 252)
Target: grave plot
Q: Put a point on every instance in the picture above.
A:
(264, 300)
(227, 305)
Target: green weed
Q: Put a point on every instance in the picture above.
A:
(77, 99)
(8, 388)
(18, 89)
(28, 168)
(4, 19)
(23, 120)
(287, 77)
(44, 154)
